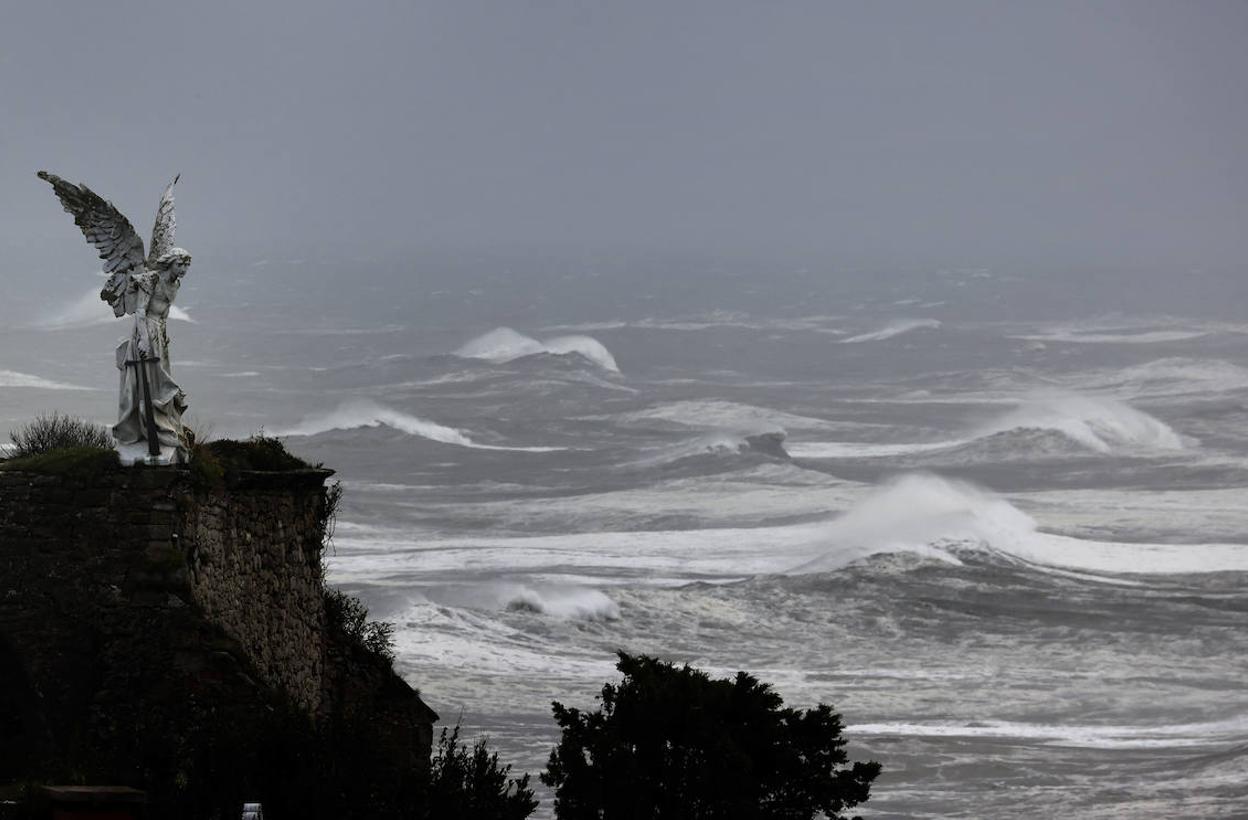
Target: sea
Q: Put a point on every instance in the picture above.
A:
(997, 518)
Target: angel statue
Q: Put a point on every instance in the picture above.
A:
(151, 403)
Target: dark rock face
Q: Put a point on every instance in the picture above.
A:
(151, 628)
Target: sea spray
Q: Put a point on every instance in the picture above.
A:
(359, 413)
(88, 310)
(504, 345)
(1098, 423)
(939, 518)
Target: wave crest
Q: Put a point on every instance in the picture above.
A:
(360, 413)
(572, 603)
(89, 310)
(12, 378)
(894, 328)
(1098, 423)
(938, 517)
(504, 345)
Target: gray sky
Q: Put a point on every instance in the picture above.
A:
(874, 133)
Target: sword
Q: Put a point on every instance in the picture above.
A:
(149, 414)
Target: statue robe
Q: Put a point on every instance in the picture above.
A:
(168, 400)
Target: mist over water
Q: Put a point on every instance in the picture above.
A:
(1007, 542)
(894, 352)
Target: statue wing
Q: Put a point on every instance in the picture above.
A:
(162, 232)
(111, 234)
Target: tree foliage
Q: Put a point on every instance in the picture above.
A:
(349, 615)
(670, 742)
(468, 784)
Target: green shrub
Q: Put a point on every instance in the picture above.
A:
(671, 742)
(468, 784)
(348, 615)
(260, 452)
(73, 461)
(329, 514)
(58, 432)
(206, 469)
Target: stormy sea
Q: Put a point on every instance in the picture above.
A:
(998, 521)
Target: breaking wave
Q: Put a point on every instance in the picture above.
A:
(504, 345)
(573, 603)
(894, 328)
(12, 378)
(1174, 376)
(364, 413)
(1042, 425)
(1101, 424)
(89, 310)
(1080, 736)
(938, 517)
(1125, 332)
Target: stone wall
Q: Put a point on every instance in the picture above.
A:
(139, 609)
(254, 555)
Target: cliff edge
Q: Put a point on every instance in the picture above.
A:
(170, 633)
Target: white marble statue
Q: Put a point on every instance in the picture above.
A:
(151, 403)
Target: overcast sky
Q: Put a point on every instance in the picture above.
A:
(917, 132)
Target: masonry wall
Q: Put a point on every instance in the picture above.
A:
(139, 610)
(254, 557)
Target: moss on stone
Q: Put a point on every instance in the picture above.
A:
(83, 462)
(260, 453)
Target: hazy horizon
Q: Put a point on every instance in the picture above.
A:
(1054, 136)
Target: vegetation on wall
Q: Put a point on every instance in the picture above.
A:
(48, 433)
(82, 462)
(349, 616)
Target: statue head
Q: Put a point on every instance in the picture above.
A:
(175, 261)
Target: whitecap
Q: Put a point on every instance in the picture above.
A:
(12, 378)
(365, 413)
(572, 603)
(504, 345)
(89, 310)
(938, 517)
(1150, 736)
(894, 328)
(1099, 423)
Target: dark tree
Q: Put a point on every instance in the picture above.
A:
(669, 742)
(469, 784)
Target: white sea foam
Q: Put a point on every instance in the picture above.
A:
(1174, 376)
(725, 415)
(865, 449)
(575, 603)
(365, 413)
(925, 515)
(937, 516)
(504, 345)
(894, 328)
(88, 310)
(1081, 736)
(1122, 330)
(715, 319)
(1096, 422)
(12, 378)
